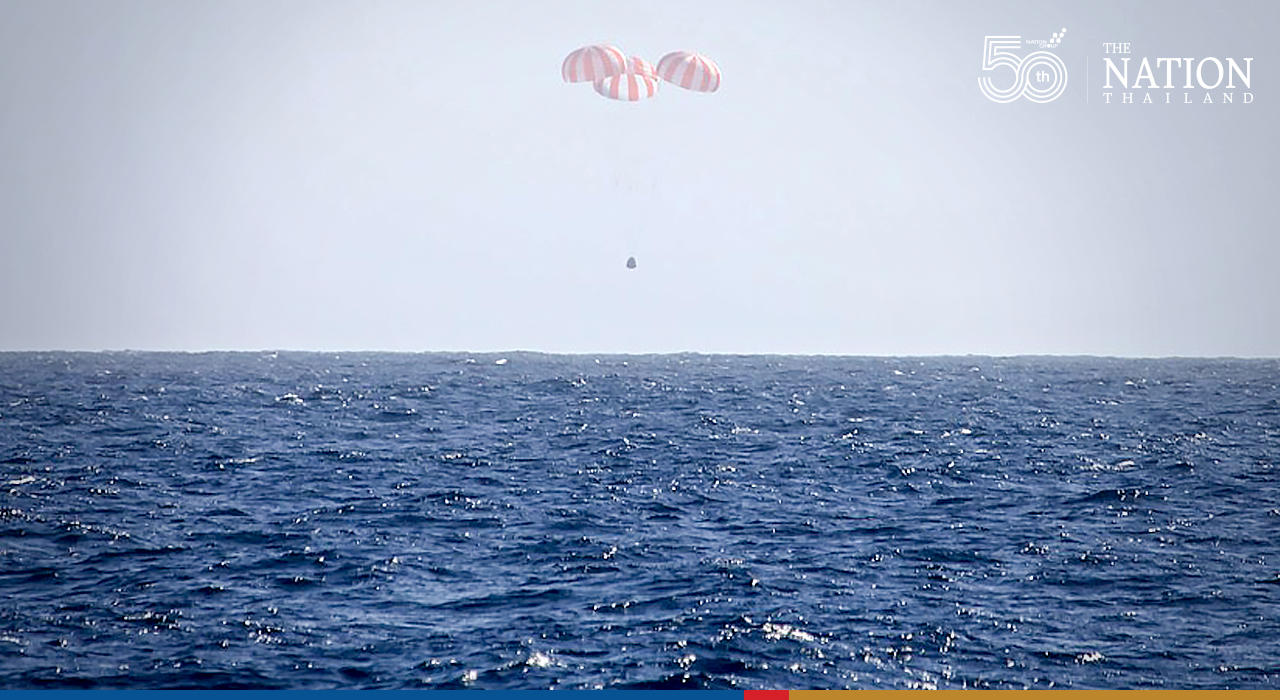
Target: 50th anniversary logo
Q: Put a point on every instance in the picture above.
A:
(1041, 76)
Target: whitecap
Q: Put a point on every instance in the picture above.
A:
(539, 659)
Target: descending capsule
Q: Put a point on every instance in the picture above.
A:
(631, 263)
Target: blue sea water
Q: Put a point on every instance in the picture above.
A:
(295, 520)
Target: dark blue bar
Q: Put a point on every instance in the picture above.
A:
(355, 694)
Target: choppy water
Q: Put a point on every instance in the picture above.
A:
(535, 521)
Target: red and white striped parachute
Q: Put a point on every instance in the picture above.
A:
(629, 87)
(639, 66)
(690, 71)
(591, 63)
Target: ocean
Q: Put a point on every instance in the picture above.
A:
(522, 520)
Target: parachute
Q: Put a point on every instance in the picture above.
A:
(690, 71)
(627, 86)
(639, 66)
(591, 63)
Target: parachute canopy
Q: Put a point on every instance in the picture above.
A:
(627, 86)
(639, 66)
(690, 71)
(591, 63)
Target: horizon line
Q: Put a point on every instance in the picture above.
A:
(614, 353)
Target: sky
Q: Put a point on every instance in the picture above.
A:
(416, 176)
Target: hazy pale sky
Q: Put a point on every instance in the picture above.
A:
(270, 174)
